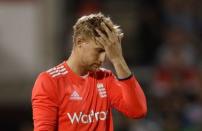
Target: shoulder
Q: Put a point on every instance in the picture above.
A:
(44, 80)
(53, 74)
(47, 80)
(57, 71)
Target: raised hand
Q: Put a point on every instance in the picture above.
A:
(111, 42)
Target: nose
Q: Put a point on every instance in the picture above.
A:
(102, 57)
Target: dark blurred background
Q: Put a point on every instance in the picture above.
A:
(162, 45)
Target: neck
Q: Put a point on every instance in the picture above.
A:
(75, 64)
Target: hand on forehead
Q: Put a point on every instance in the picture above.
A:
(105, 29)
(106, 35)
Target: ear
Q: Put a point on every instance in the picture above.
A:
(80, 41)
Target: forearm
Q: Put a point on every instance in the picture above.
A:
(121, 68)
(128, 97)
(134, 98)
(133, 102)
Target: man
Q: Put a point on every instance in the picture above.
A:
(78, 95)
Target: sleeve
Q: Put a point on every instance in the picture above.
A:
(44, 104)
(127, 96)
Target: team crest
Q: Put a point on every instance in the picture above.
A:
(101, 90)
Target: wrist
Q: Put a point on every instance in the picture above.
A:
(121, 68)
(125, 78)
(117, 60)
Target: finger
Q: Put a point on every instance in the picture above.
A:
(113, 36)
(102, 35)
(100, 41)
(107, 30)
(109, 25)
(113, 30)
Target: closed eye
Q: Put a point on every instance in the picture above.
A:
(100, 50)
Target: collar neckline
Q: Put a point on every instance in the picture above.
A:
(73, 74)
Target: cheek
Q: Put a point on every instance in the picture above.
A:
(88, 57)
(92, 58)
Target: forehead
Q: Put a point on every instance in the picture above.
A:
(95, 44)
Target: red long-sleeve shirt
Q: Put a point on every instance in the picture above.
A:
(64, 101)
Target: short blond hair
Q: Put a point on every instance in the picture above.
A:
(86, 25)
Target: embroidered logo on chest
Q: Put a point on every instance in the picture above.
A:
(101, 90)
(75, 96)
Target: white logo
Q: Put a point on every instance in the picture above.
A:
(87, 118)
(101, 90)
(75, 96)
(56, 71)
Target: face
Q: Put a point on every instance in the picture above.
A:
(90, 54)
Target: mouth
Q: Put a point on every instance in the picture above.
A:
(96, 65)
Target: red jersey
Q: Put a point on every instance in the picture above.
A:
(64, 101)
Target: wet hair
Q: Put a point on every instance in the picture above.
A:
(86, 25)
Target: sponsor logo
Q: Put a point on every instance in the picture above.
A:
(75, 96)
(87, 118)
